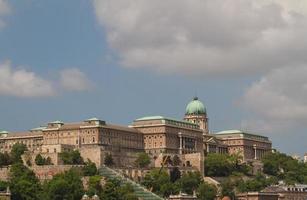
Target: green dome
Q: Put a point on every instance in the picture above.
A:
(195, 107)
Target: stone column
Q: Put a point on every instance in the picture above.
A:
(255, 151)
(180, 142)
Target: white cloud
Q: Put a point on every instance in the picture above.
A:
(202, 37)
(4, 10)
(19, 82)
(74, 80)
(22, 83)
(278, 99)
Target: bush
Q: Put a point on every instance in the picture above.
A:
(190, 181)
(206, 191)
(5, 159)
(24, 184)
(67, 185)
(16, 152)
(89, 169)
(224, 165)
(71, 158)
(143, 160)
(39, 160)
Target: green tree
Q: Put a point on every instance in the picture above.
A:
(5, 159)
(159, 182)
(285, 168)
(206, 191)
(229, 186)
(127, 192)
(108, 160)
(89, 169)
(39, 160)
(94, 185)
(17, 150)
(67, 185)
(190, 181)
(175, 174)
(23, 183)
(143, 160)
(3, 185)
(110, 190)
(59, 189)
(71, 157)
(224, 165)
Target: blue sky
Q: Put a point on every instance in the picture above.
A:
(122, 61)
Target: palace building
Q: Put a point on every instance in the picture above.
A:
(158, 136)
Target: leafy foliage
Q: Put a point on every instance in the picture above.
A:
(94, 185)
(189, 182)
(224, 165)
(112, 190)
(39, 160)
(5, 159)
(17, 150)
(163, 184)
(256, 184)
(175, 174)
(65, 186)
(89, 169)
(23, 183)
(143, 160)
(3, 185)
(206, 191)
(285, 168)
(159, 182)
(71, 158)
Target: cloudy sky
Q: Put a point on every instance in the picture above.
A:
(124, 59)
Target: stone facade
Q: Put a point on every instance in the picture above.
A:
(32, 139)
(158, 136)
(257, 196)
(48, 171)
(5, 195)
(249, 146)
(165, 135)
(182, 196)
(4, 173)
(296, 192)
(94, 132)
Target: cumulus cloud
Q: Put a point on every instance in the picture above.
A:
(202, 37)
(278, 99)
(19, 82)
(4, 10)
(74, 80)
(22, 83)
